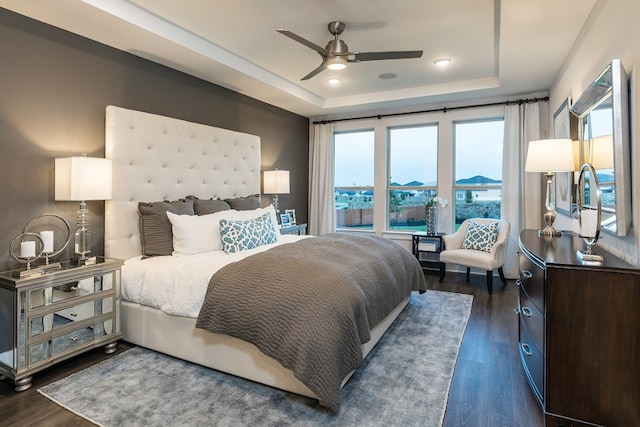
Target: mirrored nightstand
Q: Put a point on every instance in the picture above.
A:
(55, 315)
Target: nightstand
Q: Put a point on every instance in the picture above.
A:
(53, 316)
(298, 229)
(426, 249)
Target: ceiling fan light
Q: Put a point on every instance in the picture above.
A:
(337, 63)
(443, 62)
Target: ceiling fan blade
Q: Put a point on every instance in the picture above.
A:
(376, 56)
(322, 51)
(322, 67)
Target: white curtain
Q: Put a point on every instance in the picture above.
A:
(521, 191)
(322, 218)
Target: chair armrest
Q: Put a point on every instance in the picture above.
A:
(454, 241)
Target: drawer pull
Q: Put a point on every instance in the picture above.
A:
(525, 349)
(526, 274)
(526, 311)
(73, 314)
(73, 338)
(517, 310)
(518, 282)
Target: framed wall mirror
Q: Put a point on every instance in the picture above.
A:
(603, 141)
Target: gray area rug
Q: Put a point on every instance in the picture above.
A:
(404, 382)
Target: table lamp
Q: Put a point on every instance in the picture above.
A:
(276, 182)
(80, 179)
(550, 156)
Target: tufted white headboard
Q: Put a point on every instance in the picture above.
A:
(160, 158)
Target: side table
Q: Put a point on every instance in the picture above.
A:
(55, 315)
(299, 229)
(426, 249)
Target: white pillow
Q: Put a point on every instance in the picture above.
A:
(194, 234)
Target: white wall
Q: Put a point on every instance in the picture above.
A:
(611, 32)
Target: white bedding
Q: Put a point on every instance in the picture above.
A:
(177, 284)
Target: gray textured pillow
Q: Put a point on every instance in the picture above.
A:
(208, 206)
(248, 203)
(155, 229)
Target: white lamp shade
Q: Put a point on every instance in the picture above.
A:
(602, 152)
(276, 182)
(550, 155)
(83, 178)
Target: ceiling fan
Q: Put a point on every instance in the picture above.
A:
(336, 55)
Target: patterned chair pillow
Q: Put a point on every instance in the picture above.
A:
(243, 235)
(480, 237)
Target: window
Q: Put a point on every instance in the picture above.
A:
(353, 174)
(478, 169)
(413, 175)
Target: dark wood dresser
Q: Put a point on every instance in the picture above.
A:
(579, 333)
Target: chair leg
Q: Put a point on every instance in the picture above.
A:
(490, 281)
(501, 273)
(468, 272)
(443, 271)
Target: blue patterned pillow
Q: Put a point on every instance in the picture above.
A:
(242, 235)
(480, 237)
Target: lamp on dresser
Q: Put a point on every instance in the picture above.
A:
(276, 182)
(549, 156)
(80, 179)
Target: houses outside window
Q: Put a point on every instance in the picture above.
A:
(353, 178)
(387, 168)
(413, 175)
(478, 169)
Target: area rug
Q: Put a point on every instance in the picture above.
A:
(404, 382)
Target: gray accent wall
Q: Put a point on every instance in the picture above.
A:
(54, 88)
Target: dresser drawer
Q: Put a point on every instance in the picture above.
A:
(533, 320)
(533, 363)
(532, 281)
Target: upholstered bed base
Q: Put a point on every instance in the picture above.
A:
(162, 158)
(178, 337)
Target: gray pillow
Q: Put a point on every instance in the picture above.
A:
(208, 206)
(155, 229)
(244, 203)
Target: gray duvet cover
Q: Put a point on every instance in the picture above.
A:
(311, 304)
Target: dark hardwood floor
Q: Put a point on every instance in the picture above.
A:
(488, 389)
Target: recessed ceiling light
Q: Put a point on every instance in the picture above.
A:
(387, 76)
(443, 62)
(333, 81)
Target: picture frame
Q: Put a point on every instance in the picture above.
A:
(292, 213)
(285, 220)
(564, 127)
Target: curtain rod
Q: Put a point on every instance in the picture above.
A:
(443, 109)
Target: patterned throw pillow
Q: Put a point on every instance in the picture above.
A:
(480, 237)
(243, 235)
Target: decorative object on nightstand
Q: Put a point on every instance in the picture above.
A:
(81, 179)
(276, 182)
(58, 314)
(550, 156)
(299, 229)
(426, 248)
(292, 214)
(45, 239)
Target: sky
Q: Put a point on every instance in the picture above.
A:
(414, 153)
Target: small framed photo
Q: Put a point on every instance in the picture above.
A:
(292, 213)
(285, 220)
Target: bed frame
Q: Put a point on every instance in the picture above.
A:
(161, 158)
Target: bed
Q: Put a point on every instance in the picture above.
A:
(157, 158)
